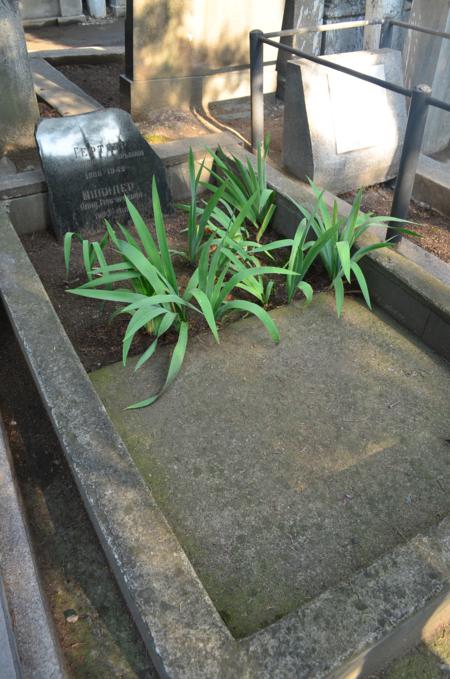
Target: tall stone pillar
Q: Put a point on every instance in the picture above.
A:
(376, 10)
(183, 53)
(427, 60)
(299, 14)
(18, 106)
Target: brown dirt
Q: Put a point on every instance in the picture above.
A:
(434, 228)
(97, 339)
(101, 81)
(46, 111)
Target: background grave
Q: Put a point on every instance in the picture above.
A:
(91, 161)
(341, 132)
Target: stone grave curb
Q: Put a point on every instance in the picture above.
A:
(38, 650)
(173, 612)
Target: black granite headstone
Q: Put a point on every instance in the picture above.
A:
(90, 162)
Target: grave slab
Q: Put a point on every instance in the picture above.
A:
(341, 132)
(284, 470)
(90, 162)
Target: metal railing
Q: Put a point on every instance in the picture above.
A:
(420, 97)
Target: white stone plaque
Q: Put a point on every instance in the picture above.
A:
(360, 110)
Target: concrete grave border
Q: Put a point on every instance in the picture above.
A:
(407, 590)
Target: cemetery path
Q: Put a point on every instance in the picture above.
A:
(51, 38)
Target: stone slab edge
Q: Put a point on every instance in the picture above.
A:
(432, 184)
(176, 618)
(9, 658)
(60, 92)
(33, 629)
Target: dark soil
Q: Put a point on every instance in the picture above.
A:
(97, 339)
(103, 641)
(434, 228)
(101, 81)
(46, 111)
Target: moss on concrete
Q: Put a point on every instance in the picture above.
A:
(285, 469)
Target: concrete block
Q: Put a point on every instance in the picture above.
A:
(432, 184)
(71, 8)
(339, 131)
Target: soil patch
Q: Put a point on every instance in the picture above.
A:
(97, 339)
(434, 228)
(102, 82)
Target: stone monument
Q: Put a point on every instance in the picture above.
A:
(339, 131)
(18, 105)
(91, 161)
(181, 53)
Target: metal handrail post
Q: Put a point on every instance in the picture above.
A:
(415, 128)
(386, 34)
(257, 87)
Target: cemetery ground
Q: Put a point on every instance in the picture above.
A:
(305, 482)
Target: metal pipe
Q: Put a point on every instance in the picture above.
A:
(386, 34)
(412, 144)
(337, 67)
(322, 28)
(420, 29)
(257, 87)
(439, 104)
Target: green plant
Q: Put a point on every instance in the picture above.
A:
(243, 183)
(339, 252)
(199, 218)
(154, 299)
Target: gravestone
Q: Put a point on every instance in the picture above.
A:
(90, 162)
(18, 106)
(339, 131)
(191, 52)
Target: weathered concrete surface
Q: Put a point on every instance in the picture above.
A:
(191, 52)
(35, 638)
(18, 106)
(432, 184)
(175, 617)
(338, 131)
(60, 92)
(283, 470)
(64, 38)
